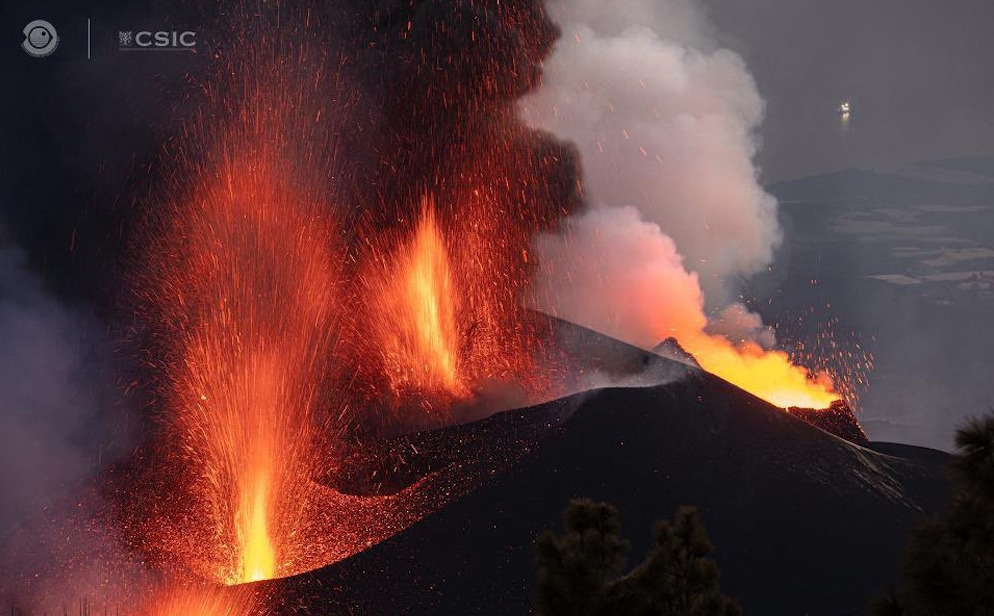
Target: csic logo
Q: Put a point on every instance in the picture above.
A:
(40, 38)
(160, 40)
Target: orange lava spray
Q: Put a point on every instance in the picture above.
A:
(244, 283)
(418, 313)
(444, 310)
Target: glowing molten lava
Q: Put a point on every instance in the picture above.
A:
(444, 307)
(767, 374)
(419, 304)
(255, 295)
(200, 601)
(244, 287)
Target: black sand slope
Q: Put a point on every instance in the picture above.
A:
(803, 522)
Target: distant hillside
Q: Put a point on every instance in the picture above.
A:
(904, 257)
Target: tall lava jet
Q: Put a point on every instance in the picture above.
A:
(243, 288)
(454, 189)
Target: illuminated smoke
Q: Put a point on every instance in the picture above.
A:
(612, 268)
(664, 123)
(615, 270)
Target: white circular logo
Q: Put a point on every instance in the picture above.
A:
(40, 38)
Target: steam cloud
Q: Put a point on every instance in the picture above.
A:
(664, 123)
(614, 269)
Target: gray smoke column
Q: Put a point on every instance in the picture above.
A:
(665, 123)
(58, 426)
(43, 398)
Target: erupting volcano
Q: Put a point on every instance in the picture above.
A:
(293, 319)
(246, 286)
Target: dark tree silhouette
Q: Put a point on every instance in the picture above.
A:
(580, 573)
(887, 605)
(949, 567)
(576, 570)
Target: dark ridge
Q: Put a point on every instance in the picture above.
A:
(804, 523)
(387, 466)
(923, 455)
(493, 444)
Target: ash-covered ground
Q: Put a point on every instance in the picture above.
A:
(804, 521)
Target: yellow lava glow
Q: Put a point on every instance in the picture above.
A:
(767, 374)
(258, 553)
(420, 307)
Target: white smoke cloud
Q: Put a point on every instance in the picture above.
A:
(738, 324)
(666, 123)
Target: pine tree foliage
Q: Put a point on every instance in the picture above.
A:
(580, 572)
(949, 566)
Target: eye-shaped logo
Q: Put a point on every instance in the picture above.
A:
(40, 38)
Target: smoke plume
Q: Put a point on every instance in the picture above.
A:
(665, 126)
(614, 269)
(42, 398)
(58, 428)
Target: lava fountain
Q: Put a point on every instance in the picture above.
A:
(418, 316)
(444, 306)
(254, 299)
(188, 600)
(245, 276)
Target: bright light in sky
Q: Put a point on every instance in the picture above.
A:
(845, 110)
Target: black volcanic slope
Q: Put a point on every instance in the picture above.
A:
(803, 522)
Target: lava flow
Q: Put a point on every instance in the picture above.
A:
(767, 374)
